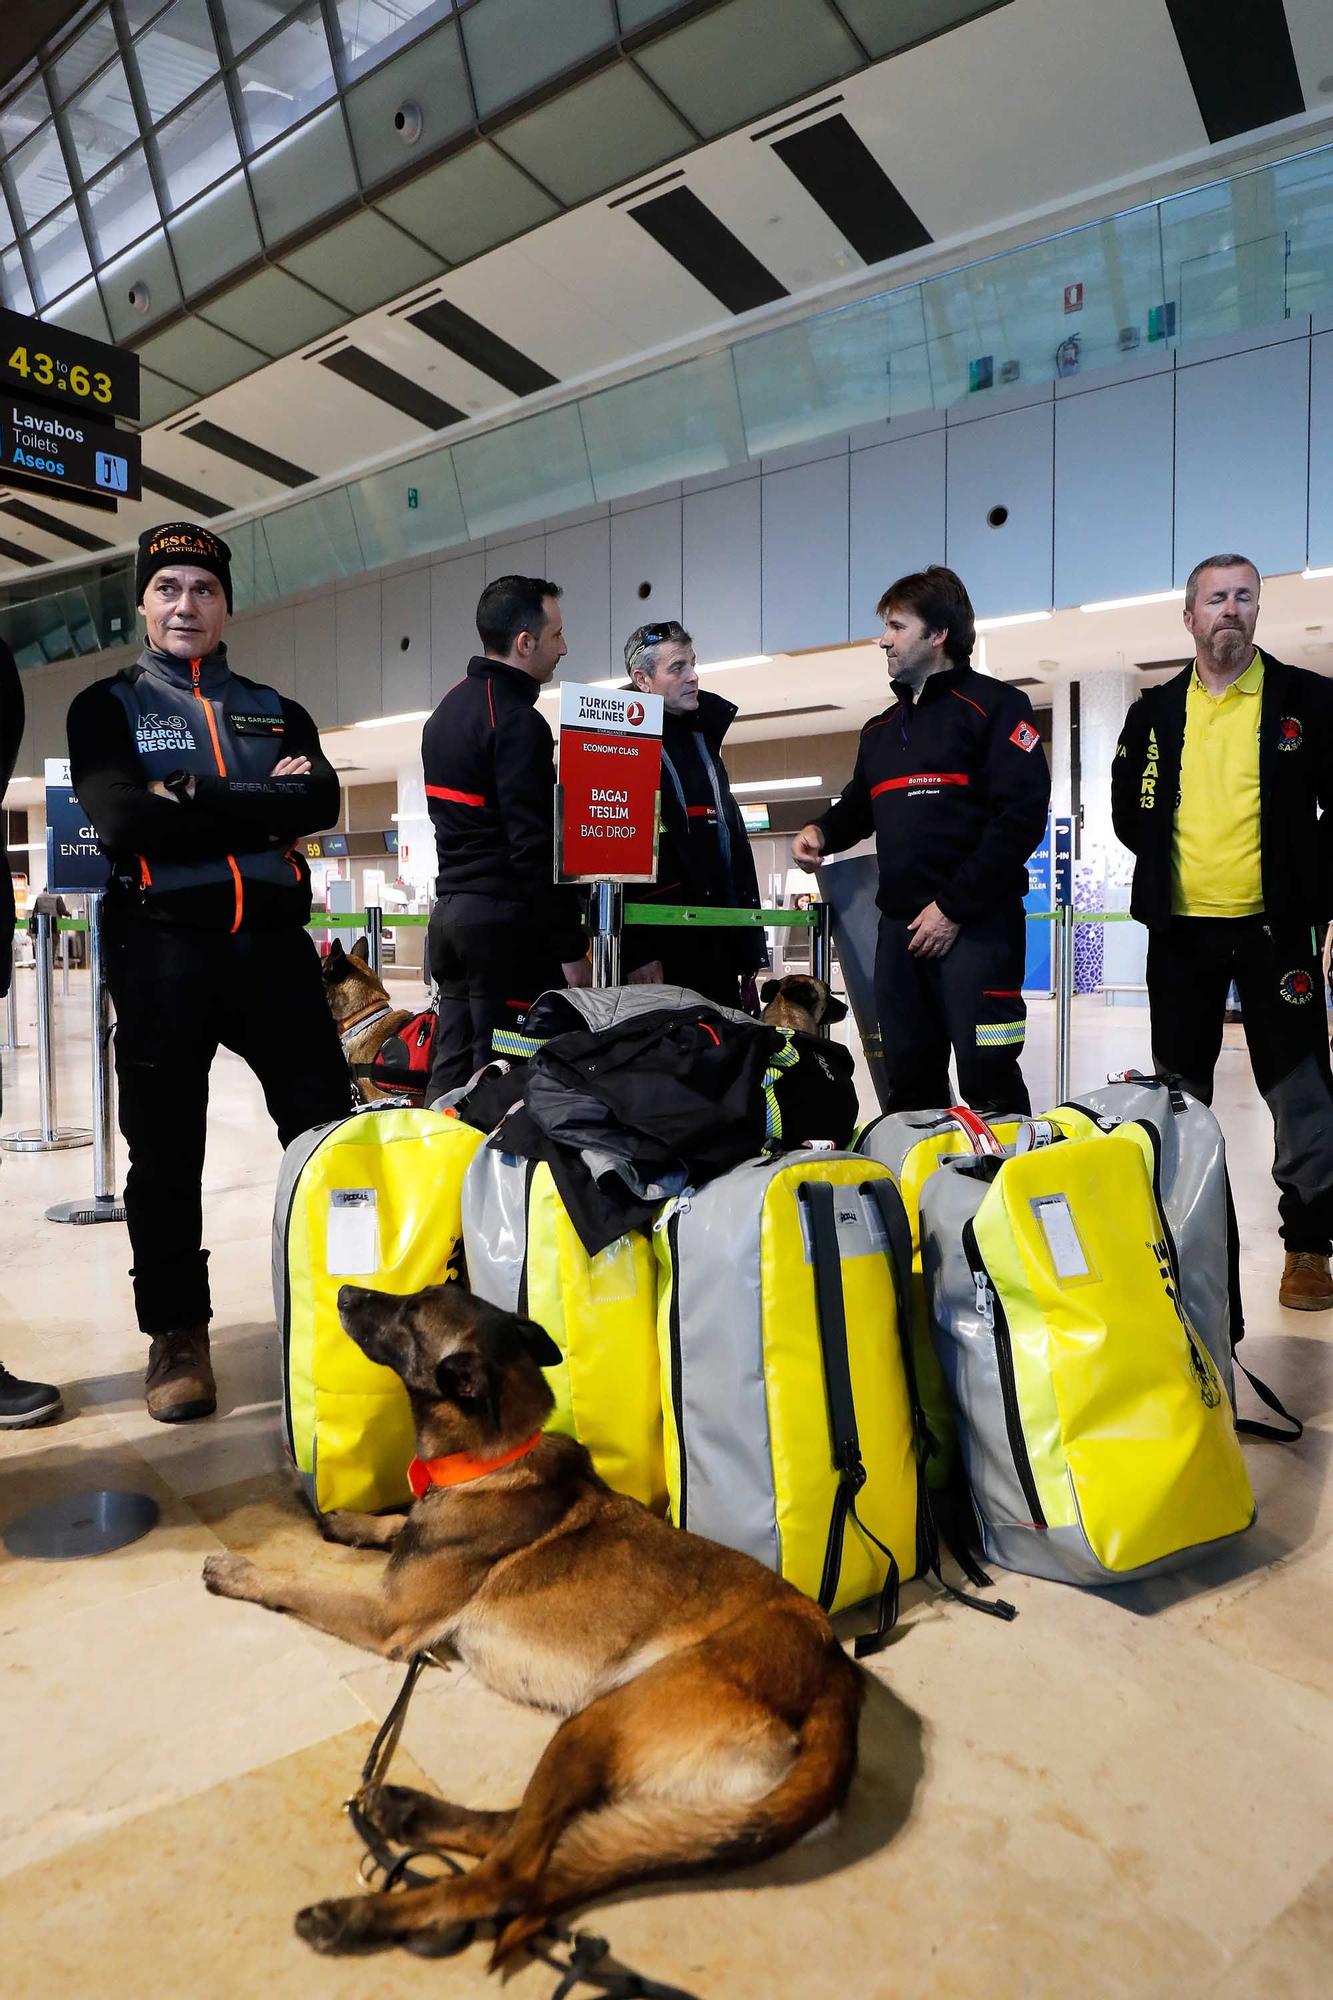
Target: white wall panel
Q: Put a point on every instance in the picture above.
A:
(359, 679)
(1003, 461)
(454, 590)
(1114, 452)
(1242, 458)
(405, 672)
(721, 595)
(315, 658)
(645, 548)
(805, 526)
(1320, 546)
(525, 558)
(579, 561)
(897, 520)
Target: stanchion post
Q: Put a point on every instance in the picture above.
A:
(11, 1042)
(47, 1138)
(375, 937)
(821, 948)
(606, 909)
(104, 1206)
(1064, 997)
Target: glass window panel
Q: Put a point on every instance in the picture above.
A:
(60, 254)
(389, 529)
(147, 264)
(737, 61)
(38, 174)
(303, 176)
(198, 146)
(247, 20)
(123, 204)
(312, 543)
(638, 13)
(176, 57)
(215, 235)
(101, 121)
(536, 466)
(431, 74)
(139, 13)
(286, 78)
(373, 29)
(677, 424)
(82, 58)
(21, 115)
(854, 366)
(14, 282)
(514, 45)
(252, 578)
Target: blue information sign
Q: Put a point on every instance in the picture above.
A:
(74, 860)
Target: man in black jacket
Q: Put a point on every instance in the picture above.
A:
(952, 781)
(200, 785)
(1220, 788)
(501, 932)
(23, 1405)
(704, 854)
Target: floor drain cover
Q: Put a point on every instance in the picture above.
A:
(82, 1524)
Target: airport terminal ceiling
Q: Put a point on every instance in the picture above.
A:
(341, 230)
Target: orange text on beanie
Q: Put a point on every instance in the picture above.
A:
(186, 543)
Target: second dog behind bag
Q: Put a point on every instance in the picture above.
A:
(792, 1428)
(524, 1254)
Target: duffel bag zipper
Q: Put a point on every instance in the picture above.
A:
(991, 1311)
(677, 1359)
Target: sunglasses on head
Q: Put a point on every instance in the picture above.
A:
(655, 635)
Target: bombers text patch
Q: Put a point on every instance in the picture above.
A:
(1025, 736)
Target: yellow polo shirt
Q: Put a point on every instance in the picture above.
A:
(1215, 868)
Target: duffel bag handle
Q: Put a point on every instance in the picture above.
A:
(1175, 1093)
(982, 1140)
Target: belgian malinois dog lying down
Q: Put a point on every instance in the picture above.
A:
(710, 1714)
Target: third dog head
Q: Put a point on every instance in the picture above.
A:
(799, 1001)
(349, 983)
(472, 1371)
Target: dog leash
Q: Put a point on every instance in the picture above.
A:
(582, 1967)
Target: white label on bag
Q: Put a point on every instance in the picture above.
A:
(351, 1243)
(859, 1234)
(1062, 1241)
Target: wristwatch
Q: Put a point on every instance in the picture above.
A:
(180, 784)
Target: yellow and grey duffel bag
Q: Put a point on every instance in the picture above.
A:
(523, 1253)
(791, 1426)
(1093, 1422)
(376, 1199)
(911, 1145)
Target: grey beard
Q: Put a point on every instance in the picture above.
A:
(1229, 648)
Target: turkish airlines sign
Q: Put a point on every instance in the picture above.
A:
(610, 774)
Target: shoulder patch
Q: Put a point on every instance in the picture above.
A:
(1025, 736)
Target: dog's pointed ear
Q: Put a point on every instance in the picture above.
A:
(361, 950)
(835, 1010)
(767, 990)
(464, 1377)
(335, 953)
(539, 1343)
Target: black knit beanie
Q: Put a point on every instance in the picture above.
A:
(186, 543)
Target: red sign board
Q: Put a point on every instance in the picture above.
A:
(610, 778)
(1073, 298)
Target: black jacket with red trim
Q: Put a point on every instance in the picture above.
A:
(225, 858)
(490, 788)
(954, 786)
(1295, 793)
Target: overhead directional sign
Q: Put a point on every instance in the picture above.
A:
(67, 448)
(57, 366)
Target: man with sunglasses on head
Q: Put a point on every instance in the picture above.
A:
(704, 854)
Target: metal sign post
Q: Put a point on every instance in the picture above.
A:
(104, 1206)
(47, 1137)
(374, 937)
(606, 915)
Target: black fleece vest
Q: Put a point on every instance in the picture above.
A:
(195, 715)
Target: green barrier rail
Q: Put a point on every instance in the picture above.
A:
(679, 915)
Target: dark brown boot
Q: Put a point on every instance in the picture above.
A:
(179, 1385)
(1306, 1283)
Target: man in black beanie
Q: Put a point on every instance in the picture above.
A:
(200, 785)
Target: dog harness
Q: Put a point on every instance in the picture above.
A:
(457, 1468)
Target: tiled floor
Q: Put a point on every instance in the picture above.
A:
(1114, 1795)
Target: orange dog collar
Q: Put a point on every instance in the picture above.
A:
(458, 1467)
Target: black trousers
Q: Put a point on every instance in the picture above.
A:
(970, 1001)
(180, 995)
(1191, 964)
(489, 966)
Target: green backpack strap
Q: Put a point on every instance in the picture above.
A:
(831, 1318)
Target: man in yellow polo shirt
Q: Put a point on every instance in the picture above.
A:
(1219, 786)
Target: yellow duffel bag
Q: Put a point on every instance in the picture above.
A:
(375, 1200)
(523, 1253)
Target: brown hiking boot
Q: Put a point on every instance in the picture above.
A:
(1306, 1286)
(179, 1385)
